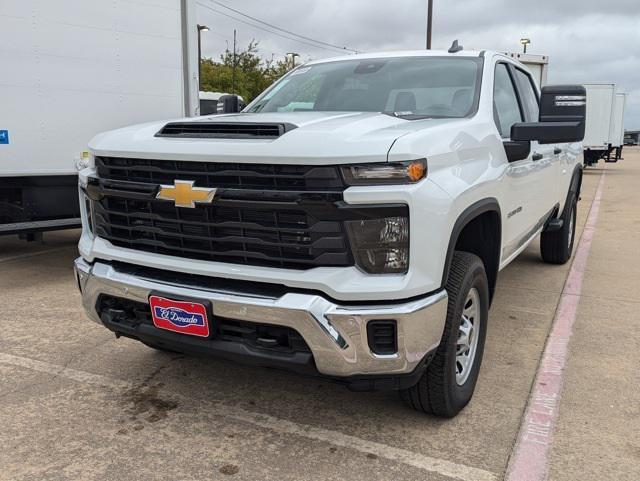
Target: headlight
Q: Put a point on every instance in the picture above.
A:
(380, 246)
(385, 173)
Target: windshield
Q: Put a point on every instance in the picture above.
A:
(408, 87)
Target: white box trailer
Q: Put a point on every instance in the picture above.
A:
(604, 131)
(537, 64)
(72, 69)
(617, 123)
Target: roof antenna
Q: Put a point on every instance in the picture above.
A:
(455, 48)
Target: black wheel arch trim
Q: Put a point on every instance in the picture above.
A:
(574, 186)
(489, 204)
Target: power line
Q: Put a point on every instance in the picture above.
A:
(282, 29)
(267, 30)
(218, 34)
(262, 28)
(280, 53)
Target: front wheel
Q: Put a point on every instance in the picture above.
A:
(450, 379)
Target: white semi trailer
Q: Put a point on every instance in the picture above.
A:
(604, 133)
(617, 124)
(69, 72)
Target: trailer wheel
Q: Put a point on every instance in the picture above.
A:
(450, 379)
(556, 246)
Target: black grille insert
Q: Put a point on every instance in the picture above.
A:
(254, 335)
(241, 234)
(224, 130)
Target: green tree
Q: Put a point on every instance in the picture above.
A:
(252, 74)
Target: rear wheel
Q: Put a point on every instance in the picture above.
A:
(556, 246)
(450, 379)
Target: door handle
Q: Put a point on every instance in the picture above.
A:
(557, 150)
(536, 156)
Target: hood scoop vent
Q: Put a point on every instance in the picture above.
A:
(224, 130)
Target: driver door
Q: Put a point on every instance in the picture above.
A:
(525, 205)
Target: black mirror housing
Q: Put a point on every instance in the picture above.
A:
(548, 132)
(563, 112)
(563, 103)
(229, 104)
(208, 107)
(517, 150)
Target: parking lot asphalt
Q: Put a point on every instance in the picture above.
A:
(75, 403)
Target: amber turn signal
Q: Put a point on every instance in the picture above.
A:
(416, 170)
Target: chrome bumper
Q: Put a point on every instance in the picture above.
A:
(336, 334)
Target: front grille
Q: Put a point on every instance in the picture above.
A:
(262, 215)
(259, 336)
(238, 234)
(286, 216)
(226, 175)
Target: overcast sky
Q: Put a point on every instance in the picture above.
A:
(587, 41)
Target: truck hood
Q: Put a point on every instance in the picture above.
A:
(320, 138)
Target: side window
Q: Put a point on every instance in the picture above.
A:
(528, 95)
(505, 101)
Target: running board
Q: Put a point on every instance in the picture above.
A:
(39, 226)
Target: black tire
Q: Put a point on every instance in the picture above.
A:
(438, 392)
(556, 247)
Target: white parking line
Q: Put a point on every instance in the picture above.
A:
(32, 254)
(280, 426)
(66, 372)
(530, 458)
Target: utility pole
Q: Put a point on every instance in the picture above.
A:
(525, 42)
(201, 28)
(429, 22)
(233, 76)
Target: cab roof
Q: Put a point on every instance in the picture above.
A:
(401, 53)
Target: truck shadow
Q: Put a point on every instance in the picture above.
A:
(291, 397)
(31, 264)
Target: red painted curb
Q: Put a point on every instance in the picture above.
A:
(530, 459)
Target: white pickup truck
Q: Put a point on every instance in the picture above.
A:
(350, 222)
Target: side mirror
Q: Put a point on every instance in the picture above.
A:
(517, 150)
(208, 107)
(563, 111)
(229, 104)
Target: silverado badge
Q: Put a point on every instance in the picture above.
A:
(184, 194)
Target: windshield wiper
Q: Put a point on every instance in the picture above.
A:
(408, 115)
(257, 107)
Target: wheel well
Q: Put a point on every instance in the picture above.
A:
(481, 235)
(579, 186)
(574, 188)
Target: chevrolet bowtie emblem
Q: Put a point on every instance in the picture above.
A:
(184, 194)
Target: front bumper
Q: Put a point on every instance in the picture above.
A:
(335, 333)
